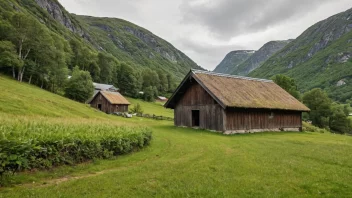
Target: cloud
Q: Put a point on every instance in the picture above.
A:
(230, 18)
(206, 53)
(206, 30)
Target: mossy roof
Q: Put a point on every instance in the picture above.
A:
(243, 92)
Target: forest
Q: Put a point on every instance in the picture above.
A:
(31, 52)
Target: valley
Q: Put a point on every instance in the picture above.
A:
(179, 161)
(279, 121)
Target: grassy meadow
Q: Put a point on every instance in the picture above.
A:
(151, 108)
(179, 162)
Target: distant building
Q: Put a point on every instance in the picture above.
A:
(105, 87)
(109, 102)
(234, 104)
(161, 99)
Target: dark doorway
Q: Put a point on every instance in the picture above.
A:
(99, 107)
(195, 118)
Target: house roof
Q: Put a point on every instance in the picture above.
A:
(103, 87)
(240, 92)
(112, 97)
(162, 98)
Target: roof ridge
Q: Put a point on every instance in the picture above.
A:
(195, 71)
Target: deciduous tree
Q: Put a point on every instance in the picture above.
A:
(80, 86)
(320, 105)
(287, 84)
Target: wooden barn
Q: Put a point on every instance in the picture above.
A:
(234, 104)
(109, 102)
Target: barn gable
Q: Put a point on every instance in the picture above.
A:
(234, 104)
(239, 92)
(109, 102)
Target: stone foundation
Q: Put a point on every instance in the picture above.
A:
(261, 130)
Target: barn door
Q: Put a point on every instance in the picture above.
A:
(195, 118)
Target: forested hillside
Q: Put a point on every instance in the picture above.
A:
(40, 43)
(318, 58)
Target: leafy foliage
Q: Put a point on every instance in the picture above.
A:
(113, 51)
(326, 114)
(339, 121)
(320, 105)
(80, 86)
(150, 94)
(126, 80)
(137, 108)
(311, 128)
(287, 84)
(8, 56)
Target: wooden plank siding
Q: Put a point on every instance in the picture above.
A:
(196, 98)
(214, 117)
(249, 119)
(106, 106)
(234, 104)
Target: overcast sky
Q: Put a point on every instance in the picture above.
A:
(206, 30)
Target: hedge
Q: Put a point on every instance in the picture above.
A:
(34, 145)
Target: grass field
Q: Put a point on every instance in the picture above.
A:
(151, 108)
(184, 162)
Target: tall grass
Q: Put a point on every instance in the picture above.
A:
(29, 144)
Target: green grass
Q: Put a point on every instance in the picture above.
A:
(183, 162)
(151, 108)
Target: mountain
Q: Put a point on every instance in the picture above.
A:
(124, 40)
(259, 57)
(242, 62)
(232, 60)
(129, 42)
(321, 57)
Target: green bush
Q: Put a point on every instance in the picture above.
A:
(311, 128)
(30, 145)
(137, 108)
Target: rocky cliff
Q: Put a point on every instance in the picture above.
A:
(259, 57)
(319, 57)
(60, 14)
(232, 60)
(126, 41)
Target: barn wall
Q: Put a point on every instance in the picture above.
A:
(196, 98)
(251, 120)
(106, 106)
(231, 120)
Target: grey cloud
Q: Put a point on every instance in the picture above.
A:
(229, 18)
(206, 55)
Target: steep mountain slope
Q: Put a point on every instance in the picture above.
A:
(320, 57)
(126, 41)
(259, 57)
(129, 42)
(232, 60)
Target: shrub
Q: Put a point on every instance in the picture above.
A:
(137, 108)
(32, 145)
(311, 128)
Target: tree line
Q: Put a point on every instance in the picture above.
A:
(325, 113)
(30, 52)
